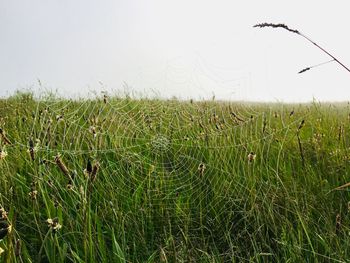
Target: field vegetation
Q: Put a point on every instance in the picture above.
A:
(117, 179)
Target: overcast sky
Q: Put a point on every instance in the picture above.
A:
(184, 48)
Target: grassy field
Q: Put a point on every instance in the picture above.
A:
(126, 180)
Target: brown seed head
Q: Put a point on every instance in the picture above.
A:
(31, 149)
(94, 171)
(301, 125)
(18, 248)
(61, 165)
(277, 26)
(303, 70)
(337, 222)
(88, 167)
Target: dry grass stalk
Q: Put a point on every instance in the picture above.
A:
(18, 248)
(301, 150)
(262, 25)
(162, 256)
(4, 138)
(342, 186)
(340, 132)
(301, 125)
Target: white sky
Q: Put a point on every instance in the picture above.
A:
(184, 48)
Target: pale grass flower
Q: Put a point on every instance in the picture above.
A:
(251, 156)
(54, 224)
(3, 154)
(33, 194)
(3, 214)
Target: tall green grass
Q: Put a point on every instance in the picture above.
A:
(174, 182)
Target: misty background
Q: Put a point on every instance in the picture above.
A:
(163, 48)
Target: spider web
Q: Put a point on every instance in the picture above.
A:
(175, 164)
(165, 165)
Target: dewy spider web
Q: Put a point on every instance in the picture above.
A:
(150, 151)
(163, 164)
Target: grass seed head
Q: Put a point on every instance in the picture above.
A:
(33, 194)
(59, 118)
(3, 214)
(280, 25)
(92, 130)
(251, 156)
(94, 171)
(88, 167)
(56, 203)
(31, 149)
(61, 165)
(3, 154)
(304, 70)
(54, 224)
(70, 185)
(201, 169)
(301, 125)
